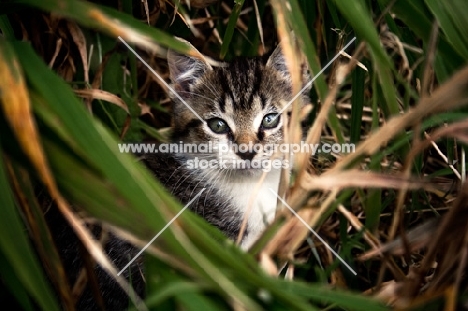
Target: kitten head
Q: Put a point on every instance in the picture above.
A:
(237, 103)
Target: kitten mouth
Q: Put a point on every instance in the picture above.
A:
(248, 167)
(247, 171)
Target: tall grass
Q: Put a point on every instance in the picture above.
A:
(70, 91)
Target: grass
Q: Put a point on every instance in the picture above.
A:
(69, 91)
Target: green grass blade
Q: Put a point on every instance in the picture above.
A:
(15, 288)
(17, 251)
(418, 18)
(230, 27)
(112, 22)
(357, 104)
(339, 298)
(358, 17)
(451, 16)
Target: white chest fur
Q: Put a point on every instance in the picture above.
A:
(254, 200)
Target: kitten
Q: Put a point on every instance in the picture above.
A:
(239, 104)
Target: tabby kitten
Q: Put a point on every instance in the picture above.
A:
(238, 103)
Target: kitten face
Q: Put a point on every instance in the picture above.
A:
(238, 103)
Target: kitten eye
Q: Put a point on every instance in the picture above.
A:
(218, 126)
(270, 121)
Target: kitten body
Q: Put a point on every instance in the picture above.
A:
(226, 199)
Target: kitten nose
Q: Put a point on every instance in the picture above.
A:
(248, 155)
(245, 145)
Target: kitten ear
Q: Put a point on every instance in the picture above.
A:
(185, 70)
(277, 61)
